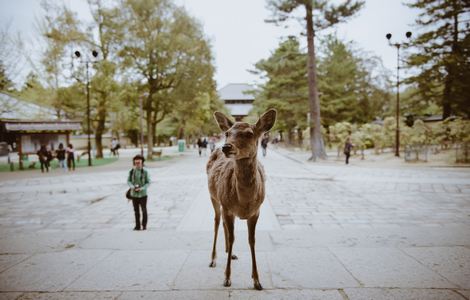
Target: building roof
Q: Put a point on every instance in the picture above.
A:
(239, 109)
(40, 126)
(236, 91)
(14, 108)
(433, 118)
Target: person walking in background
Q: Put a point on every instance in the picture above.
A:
(204, 146)
(70, 158)
(43, 158)
(138, 181)
(347, 149)
(264, 144)
(60, 154)
(113, 146)
(199, 146)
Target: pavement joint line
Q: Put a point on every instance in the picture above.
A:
(344, 266)
(425, 266)
(173, 284)
(300, 163)
(14, 265)
(458, 293)
(89, 269)
(343, 294)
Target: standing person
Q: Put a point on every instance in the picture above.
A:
(347, 149)
(49, 157)
(60, 154)
(70, 158)
(204, 146)
(116, 149)
(113, 146)
(199, 146)
(264, 144)
(43, 158)
(138, 181)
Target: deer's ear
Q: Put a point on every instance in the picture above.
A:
(266, 121)
(223, 122)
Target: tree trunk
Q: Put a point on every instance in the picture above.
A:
(100, 129)
(300, 137)
(99, 144)
(316, 140)
(149, 135)
(448, 95)
(154, 130)
(181, 132)
(290, 137)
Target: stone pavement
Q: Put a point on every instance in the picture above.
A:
(326, 231)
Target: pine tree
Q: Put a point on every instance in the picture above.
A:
(350, 84)
(443, 59)
(285, 88)
(327, 15)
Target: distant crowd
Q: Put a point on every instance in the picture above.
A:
(65, 156)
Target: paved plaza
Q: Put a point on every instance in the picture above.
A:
(326, 231)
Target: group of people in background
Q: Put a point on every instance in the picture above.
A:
(202, 144)
(65, 156)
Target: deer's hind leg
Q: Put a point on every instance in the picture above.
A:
(216, 206)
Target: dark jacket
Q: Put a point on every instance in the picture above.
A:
(347, 148)
(60, 154)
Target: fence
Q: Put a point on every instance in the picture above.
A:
(416, 153)
(462, 153)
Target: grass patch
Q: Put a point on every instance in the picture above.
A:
(161, 158)
(4, 167)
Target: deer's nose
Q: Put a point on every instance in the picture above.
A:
(226, 148)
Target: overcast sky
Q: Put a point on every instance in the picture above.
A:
(239, 35)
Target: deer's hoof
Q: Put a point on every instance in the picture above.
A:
(258, 286)
(227, 282)
(212, 264)
(234, 256)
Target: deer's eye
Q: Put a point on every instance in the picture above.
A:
(247, 134)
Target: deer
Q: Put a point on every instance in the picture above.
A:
(236, 181)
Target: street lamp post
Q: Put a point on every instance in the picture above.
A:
(87, 61)
(397, 132)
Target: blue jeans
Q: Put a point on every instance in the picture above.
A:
(62, 164)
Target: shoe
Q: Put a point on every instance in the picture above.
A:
(144, 228)
(136, 228)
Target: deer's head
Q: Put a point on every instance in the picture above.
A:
(241, 139)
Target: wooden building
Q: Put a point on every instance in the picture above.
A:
(238, 99)
(25, 127)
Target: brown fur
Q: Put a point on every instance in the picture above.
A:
(236, 183)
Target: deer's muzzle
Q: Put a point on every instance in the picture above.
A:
(227, 149)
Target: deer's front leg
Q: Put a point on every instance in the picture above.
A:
(229, 220)
(226, 242)
(251, 238)
(216, 230)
